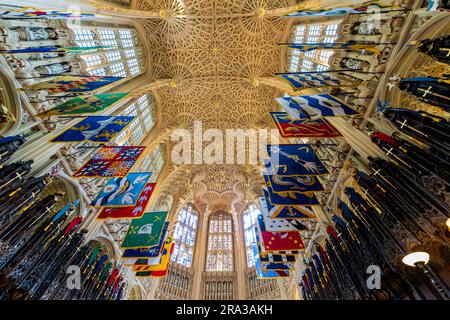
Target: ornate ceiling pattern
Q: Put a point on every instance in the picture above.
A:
(214, 51)
(219, 103)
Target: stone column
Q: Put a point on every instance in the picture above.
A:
(239, 256)
(198, 264)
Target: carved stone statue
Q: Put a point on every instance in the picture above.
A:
(35, 34)
(366, 28)
(5, 115)
(352, 63)
(54, 69)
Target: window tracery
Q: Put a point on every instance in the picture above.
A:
(184, 235)
(154, 162)
(144, 109)
(249, 218)
(220, 243)
(314, 60)
(119, 53)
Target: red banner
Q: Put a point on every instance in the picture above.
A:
(303, 128)
(110, 161)
(282, 241)
(130, 212)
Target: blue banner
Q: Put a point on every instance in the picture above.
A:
(96, 129)
(122, 192)
(266, 274)
(297, 184)
(315, 106)
(294, 160)
(298, 208)
(316, 80)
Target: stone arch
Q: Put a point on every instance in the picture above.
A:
(63, 183)
(109, 246)
(73, 189)
(408, 62)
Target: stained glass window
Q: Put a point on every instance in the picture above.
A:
(121, 57)
(154, 162)
(145, 111)
(249, 218)
(314, 60)
(220, 243)
(184, 236)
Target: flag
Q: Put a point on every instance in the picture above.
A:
(276, 266)
(72, 225)
(122, 192)
(279, 225)
(64, 210)
(267, 274)
(301, 81)
(160, 263)
(73, 84)
(382, 105)
(105, 272)
(152, 274)
(279, 241)
(351, 45)
(100, 263)
(303, 128)
(303, 11)
(145, 231)
(293, 184)
(110, 161)
(433, 5)
(315, 106)
(112, 277)
(73, 50)
(129, 212)
(93, 256)
(95, 129)
(85, 105)
(294, 160)
(281, 256)
(277, 258)
(132, 255)
(31, 12)
(290, 208)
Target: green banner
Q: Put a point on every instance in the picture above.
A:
(146, 231)
(85, 105)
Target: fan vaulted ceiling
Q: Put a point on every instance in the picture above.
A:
(221, 47)
(214, 50)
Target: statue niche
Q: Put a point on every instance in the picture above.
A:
(354, 64)
(35, 68)
(357, 61)
(383, 28)
(23, 37)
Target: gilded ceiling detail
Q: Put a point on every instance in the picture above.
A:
(221, 55)
(214, 50)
